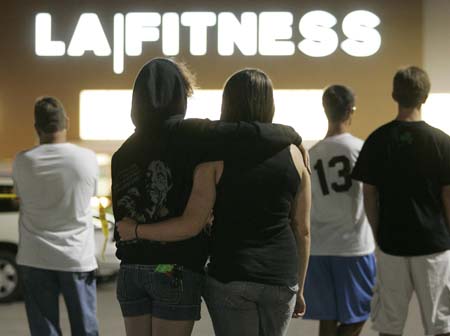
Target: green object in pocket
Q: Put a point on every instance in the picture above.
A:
(164, 268)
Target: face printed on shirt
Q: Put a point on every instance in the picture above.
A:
(129, 203)
(158, 182)
(145, 192)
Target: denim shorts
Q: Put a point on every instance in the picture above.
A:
(142, 291)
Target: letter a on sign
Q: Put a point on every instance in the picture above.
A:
(89, 36)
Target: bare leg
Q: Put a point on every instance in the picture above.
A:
(138, 325)
(328, 328)
(162, 327)
(353, 329)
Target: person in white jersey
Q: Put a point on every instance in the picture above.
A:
(341, 273)
(55, 182)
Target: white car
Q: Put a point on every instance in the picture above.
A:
(108, 264)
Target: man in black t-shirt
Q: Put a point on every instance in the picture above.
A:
(405, 167)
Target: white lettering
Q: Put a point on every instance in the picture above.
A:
(267, 34)
(140, 27)
(89, 36)
(274, 27)
(363, 40)
(119, 39)
(171, 34)
(320, 40)
(243, 34)
(198, 22)
(44, 46)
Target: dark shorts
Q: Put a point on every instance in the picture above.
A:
(142, 291)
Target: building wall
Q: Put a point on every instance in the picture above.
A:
(24, 76)
(436, 51)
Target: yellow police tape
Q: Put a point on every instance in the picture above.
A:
(101, 216)
(105, 229)
(8, 196)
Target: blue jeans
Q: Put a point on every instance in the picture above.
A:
(242, 308)
(42, 288)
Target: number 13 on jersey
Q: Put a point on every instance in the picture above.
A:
(344, 182)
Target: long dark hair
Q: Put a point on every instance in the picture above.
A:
(248, 96)
(160, 91)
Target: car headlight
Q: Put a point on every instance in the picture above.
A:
(103, 201)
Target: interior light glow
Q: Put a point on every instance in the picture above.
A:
(140, 27)
(89, 36)
(105, 114)
(198, 22)
(205, 104)
(303, 110)
(103, 159)
(436, 111)
(274, 27)
(320, 40)
(363, 40)
(171, 34)
(243, 34)
(44, 46)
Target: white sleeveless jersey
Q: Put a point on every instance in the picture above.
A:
(339, 225)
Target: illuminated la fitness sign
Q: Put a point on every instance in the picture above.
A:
(266, 33)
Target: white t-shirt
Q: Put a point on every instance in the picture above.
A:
(339, 225)
(55, 183)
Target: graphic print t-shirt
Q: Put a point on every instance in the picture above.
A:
(339, 226)
(409, 163)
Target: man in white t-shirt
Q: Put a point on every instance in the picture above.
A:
(55, 182)
(341, 272)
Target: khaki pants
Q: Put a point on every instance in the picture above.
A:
(397, 278)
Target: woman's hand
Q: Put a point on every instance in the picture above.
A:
(300, 306)
(127, 228)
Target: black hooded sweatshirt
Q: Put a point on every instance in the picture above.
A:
(152, 172)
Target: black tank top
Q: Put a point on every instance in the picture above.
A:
(252, 239)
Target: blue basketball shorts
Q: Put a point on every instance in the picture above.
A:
(339, 288)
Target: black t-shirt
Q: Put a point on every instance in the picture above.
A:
(152, 177)
(252, 239)
(409, 163)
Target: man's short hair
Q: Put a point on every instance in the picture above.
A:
(411, 87)
(338, 101)
(49, 115)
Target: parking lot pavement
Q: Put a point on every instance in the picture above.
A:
(13, 319)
